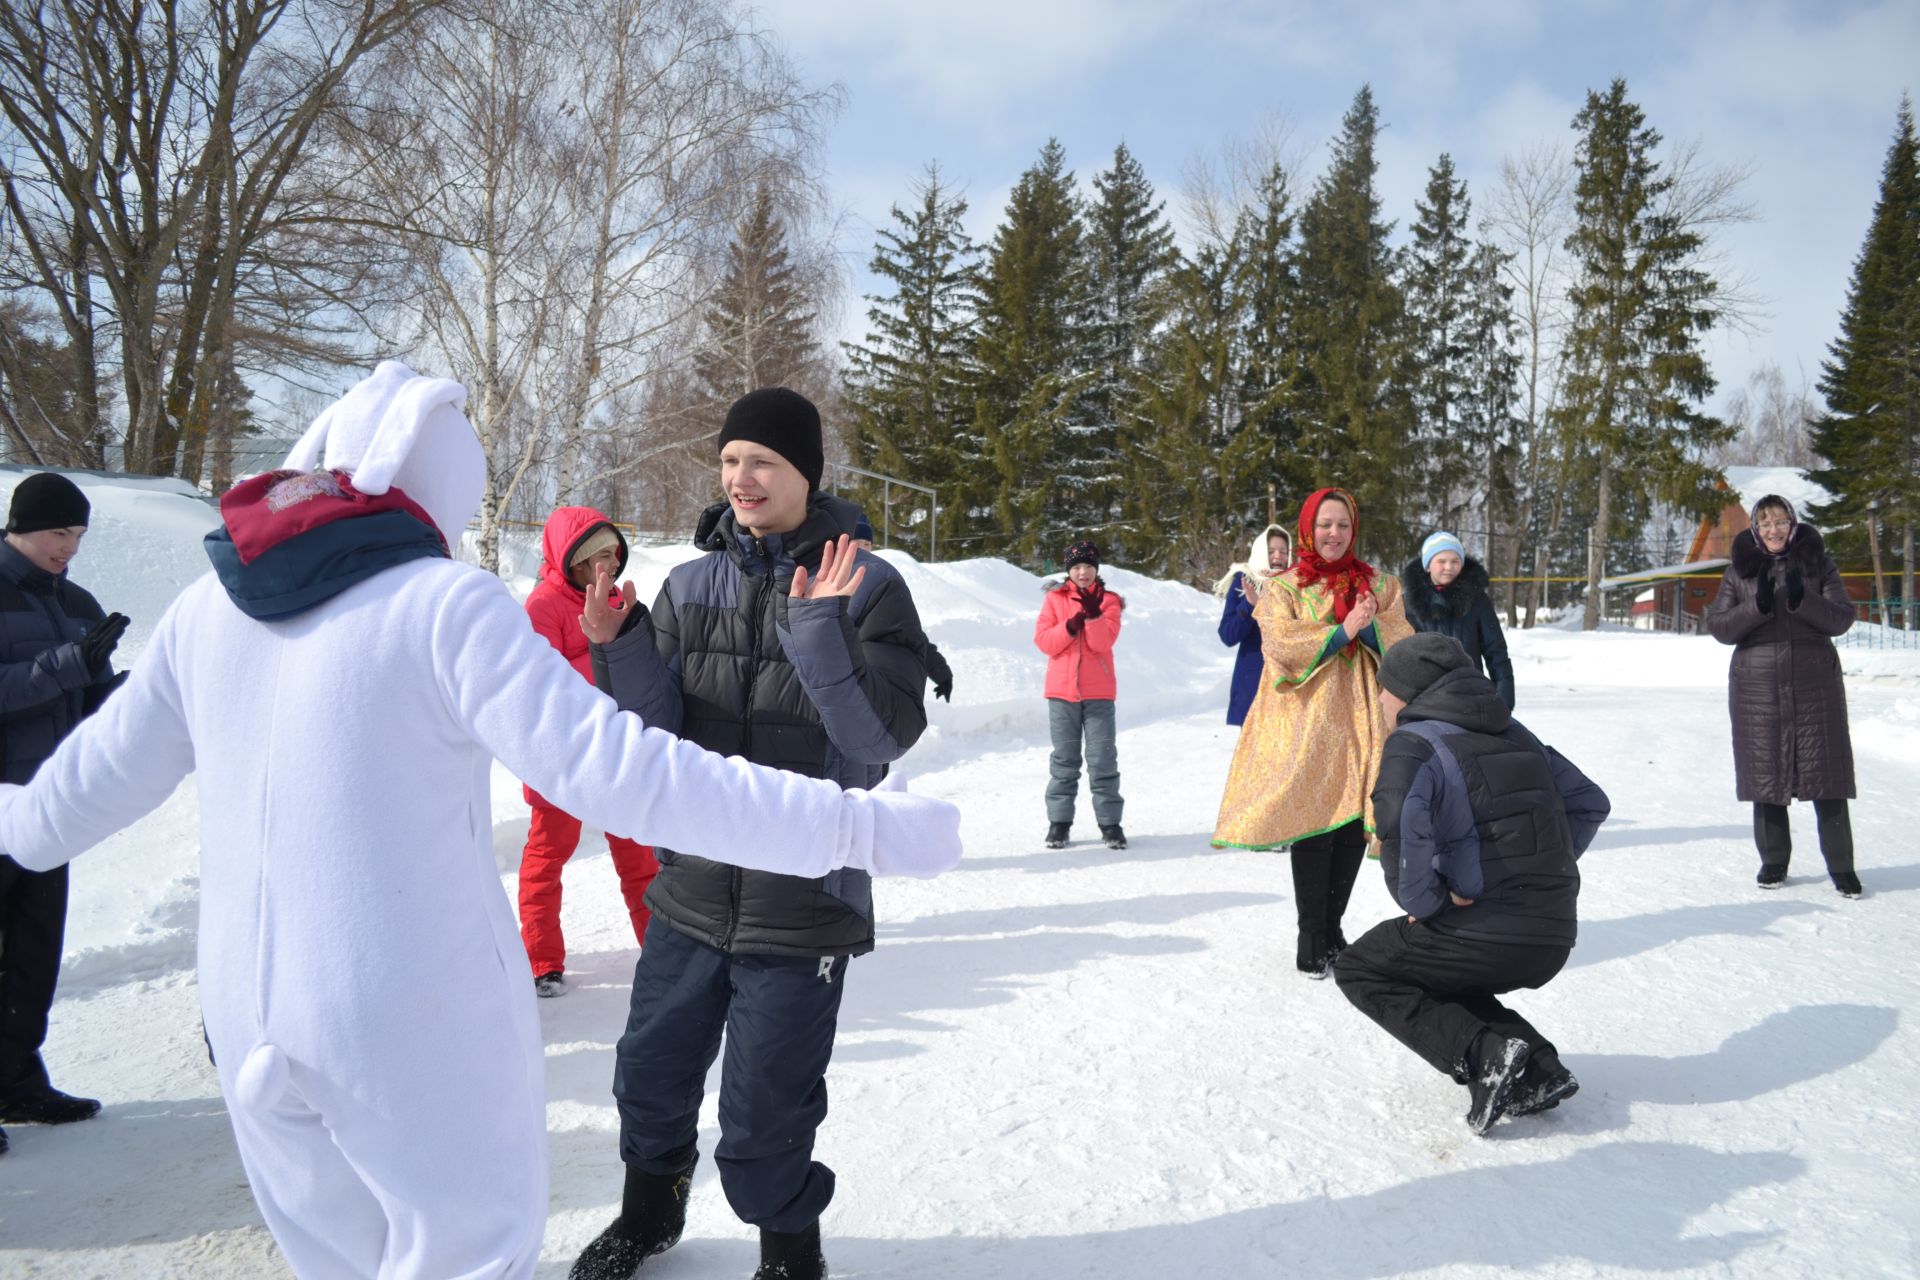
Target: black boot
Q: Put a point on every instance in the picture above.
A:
(1494, 1067)
(791, 1255)
(1772, 875)
(1057, 834)
(1114, 836)
(1541, 1088)
(1311, 955)
(653, 1213)
(47, 1106)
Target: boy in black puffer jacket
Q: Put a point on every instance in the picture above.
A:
(787, 646)
(1445, 590)
(1480, 826)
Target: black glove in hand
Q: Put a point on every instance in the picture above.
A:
(1763, 595)
(1091, 605)
(98, 644)
(1796, 587)
(1075, 622)
(944, 689)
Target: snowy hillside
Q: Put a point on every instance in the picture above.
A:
(1089, 1063)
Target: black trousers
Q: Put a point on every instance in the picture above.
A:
(1324, 869)
(1436, 993)
(778, 1014)
(1774, 837)
(33, 926)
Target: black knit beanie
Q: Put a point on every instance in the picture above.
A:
(784, 421)
(1083, 552)
(45, 500)
(1412, 666)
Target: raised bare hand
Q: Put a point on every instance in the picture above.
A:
(837, 576)
(606, 607)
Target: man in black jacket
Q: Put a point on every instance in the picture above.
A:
(1480, 826)
(786, 645)
(54, 671)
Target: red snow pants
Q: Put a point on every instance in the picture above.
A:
(551, 840)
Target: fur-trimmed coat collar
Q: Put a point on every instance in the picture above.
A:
(1431, 605)
(1805, 550)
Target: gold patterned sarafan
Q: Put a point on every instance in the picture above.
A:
(1311, 744)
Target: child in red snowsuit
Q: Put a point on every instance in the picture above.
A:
(576, 540)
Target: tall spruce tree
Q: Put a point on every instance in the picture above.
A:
(1435, 282)
(1635, 373)
(1870, 435)
(1193, 456)
(1270, 376)
(1130, 251)
(1354, 415)
(1035, 367)
(759, 326)
(1488, 431)
(910, 384)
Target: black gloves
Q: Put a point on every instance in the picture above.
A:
(1091, 605)
(1075, 622)
(98, 644)
(944, 688)
(1763, 595)
(1796, 587)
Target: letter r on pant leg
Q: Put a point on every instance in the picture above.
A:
(826, 968)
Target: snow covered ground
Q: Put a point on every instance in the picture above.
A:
(1090, 1063)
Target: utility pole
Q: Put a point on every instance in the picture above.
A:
(1873, 545)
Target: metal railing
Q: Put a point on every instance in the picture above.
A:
(887, 485)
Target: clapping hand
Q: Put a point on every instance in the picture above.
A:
(1361, 615)
(1796, 587)
(837, 575)
(607, 608)
(1763, 594)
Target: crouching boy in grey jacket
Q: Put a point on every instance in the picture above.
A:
(1480, 826)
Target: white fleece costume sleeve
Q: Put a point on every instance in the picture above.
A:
(362, 979)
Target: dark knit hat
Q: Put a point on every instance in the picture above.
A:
(862, 530)
(1083, 552)
(1411, 667)
(45, 500)
(785, 422)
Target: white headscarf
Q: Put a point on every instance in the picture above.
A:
(398, 430)
(1255, 566)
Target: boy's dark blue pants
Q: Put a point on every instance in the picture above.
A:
(778, 1013)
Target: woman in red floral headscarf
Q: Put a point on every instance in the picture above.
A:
(1307, 755)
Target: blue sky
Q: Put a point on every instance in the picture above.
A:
(1804, 94)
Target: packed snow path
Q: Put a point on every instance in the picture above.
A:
(1098, 1063)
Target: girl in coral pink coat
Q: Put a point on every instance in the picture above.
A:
(575, 543)
(1078, 627)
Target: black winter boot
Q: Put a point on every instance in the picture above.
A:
(653, 1213)
(1847, 884)
(1114, 836)
(1494, 1067)
(1057, 834)
(1541, 1090)
(1312, 956)
(47, 1106)
(1772, 875)
(791, 1255)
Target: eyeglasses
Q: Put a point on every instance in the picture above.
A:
(1774, 526)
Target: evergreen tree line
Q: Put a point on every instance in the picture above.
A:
(1869, 438)
(1533, 382)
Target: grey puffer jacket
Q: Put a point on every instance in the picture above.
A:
(1784, 692)
(830, 688)
(1469, 802)
(45, 686)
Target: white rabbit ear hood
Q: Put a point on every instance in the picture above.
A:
(398, 430)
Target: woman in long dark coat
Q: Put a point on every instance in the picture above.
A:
(1446, 591)
(1781, 602)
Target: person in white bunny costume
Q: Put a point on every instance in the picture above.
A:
(340, 686)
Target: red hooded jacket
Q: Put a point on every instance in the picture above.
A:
(556, 602)
(1079, 664)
